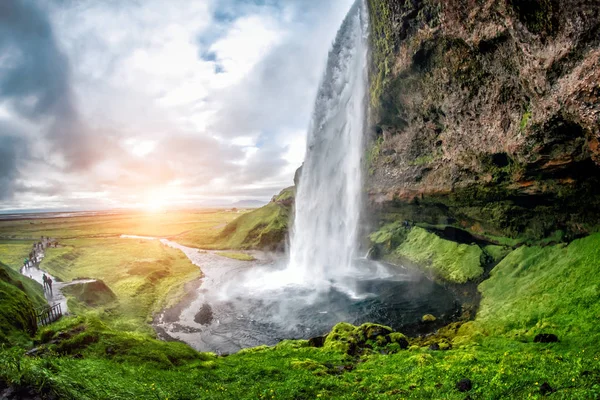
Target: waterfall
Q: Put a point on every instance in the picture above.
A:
(328, 200)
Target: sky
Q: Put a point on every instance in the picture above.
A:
(153, 103)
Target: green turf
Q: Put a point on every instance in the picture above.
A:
(19, 298)
(446, 260)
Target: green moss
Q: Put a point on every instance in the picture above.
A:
(373, 152)
(389, 236)
(497, 253)
(428, 318)
(525, 119)
(536, 288)
(382, 47)
(341, 338)
(447, 260)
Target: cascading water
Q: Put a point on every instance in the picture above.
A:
(328, 200)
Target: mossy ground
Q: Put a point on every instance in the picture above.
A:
(446, 260)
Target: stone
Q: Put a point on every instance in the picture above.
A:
(205, 315)
(318, 341)
(428, 318)
(464, 385)
(434, 346)
(545, 389)
(545, 338)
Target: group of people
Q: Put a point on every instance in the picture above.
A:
(36, 255)
(47, 283)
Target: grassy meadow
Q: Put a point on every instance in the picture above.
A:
(145, 275)
(201, 225)
(109, 351)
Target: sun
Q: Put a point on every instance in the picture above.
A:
(155, 203)
(154, 206)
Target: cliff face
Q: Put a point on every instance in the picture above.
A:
(486, 115)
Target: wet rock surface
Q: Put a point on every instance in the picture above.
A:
(487, 115)
(205, 315)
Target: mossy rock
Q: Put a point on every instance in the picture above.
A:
(93, 294)
(352, 340)
(428, 318)
(446, 260)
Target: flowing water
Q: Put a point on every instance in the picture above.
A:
(328, 200)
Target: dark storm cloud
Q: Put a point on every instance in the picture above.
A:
(12, 148)
(35, 79)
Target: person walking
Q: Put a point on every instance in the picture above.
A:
(45, 279)
(49, 282)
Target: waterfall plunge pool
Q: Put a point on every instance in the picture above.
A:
(240, 304)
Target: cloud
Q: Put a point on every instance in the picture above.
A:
(11, 149)
(35, 78)
(105, 102)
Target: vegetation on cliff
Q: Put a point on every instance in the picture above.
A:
(446, 260)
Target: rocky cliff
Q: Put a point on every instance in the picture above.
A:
(486, 116)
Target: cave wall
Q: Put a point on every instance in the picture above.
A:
(485, 115)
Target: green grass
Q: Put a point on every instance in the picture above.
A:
(236, 256)
(166, 224)
(19, 297)
(446, 260)
(554, 288)
(262, 228)
(13, 252)
(286, 194)
(144, 275)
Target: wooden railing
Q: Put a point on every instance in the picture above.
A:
(49, 314)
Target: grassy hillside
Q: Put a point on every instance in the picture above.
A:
(263, 228)
(144, 275)
(19, 296)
